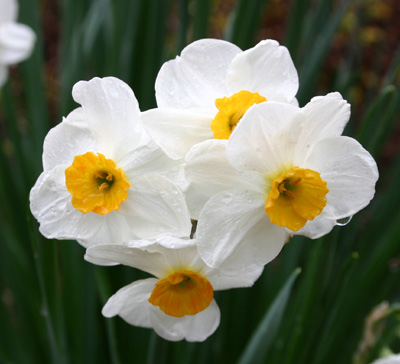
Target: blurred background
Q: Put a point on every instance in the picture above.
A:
(344, 305)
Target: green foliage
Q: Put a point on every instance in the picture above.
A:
(51, 299)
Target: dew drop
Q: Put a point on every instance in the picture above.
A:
(344, 221)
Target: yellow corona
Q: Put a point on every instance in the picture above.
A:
(231, 110)
(296, 196)
(96, 184)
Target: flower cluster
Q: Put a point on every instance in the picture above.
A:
(16, 40)
(228, 147)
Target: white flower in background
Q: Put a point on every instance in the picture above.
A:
(103, 178)
(178, 303)
(392, 359)
(286, 170)
(204, 93)
(16, 40)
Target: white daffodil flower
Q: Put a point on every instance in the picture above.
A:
(204, 93)
(103, 178)
(178, 303)
(286, 170)
(16, 40)
(392, 359)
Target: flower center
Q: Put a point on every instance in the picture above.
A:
(231, 109)
(296, 196)
(182, 293)
(96, 184)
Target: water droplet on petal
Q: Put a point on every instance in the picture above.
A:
(344, 221)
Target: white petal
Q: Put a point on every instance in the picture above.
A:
(316, 228)
(50, 203)
(3, 74)
(176, 131)
(8, 10)
(195, 201)
(112, 114)
(165, 245)
(115, 228)
(221, 281)
(66, 140)
(16, 42)
(131, 303)
(148, 158)
(392, 359)
(181, 254)
(156, 207)
(197, 77)
(267, 69)
(178, 253)
(235, 235)
(349, 170)
(326, 116)
(151, 262)
(265, 138)
(209, 172)
(191, 328)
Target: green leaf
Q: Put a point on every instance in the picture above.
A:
(262, 339)
(242, 28)
(201, 19)
(316, 44)
(379, 120)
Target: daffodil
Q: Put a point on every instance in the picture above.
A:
(286, 170)
(204, 93)
(16, 40)
(178, 303)
(104, 180)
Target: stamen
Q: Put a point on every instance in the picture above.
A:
(289, 194)
(295, 181)
(104, 186)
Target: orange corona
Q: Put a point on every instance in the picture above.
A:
(182, 293)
